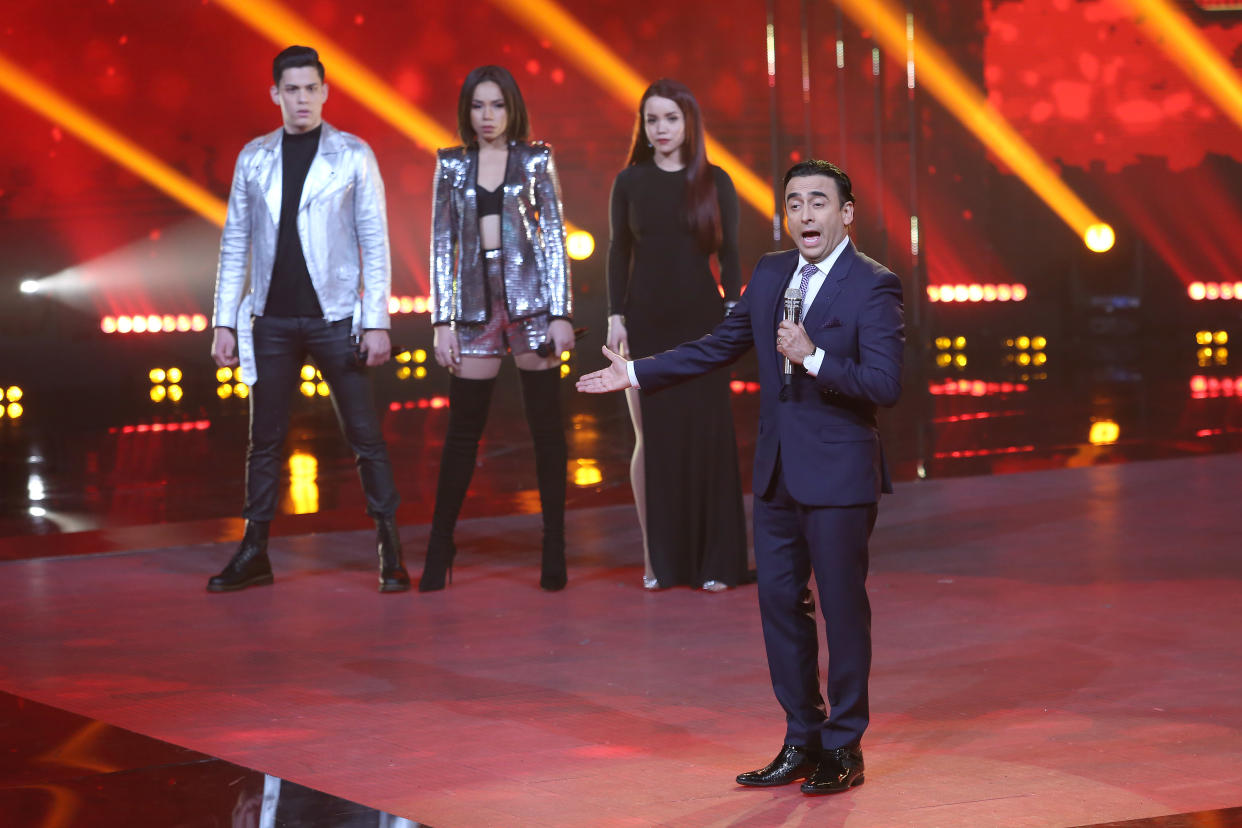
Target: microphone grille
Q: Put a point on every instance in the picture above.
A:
(793, 293)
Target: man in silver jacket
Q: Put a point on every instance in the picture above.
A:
(307, 223)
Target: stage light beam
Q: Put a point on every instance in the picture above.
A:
(598, 61)
(941, 77)
(58, 109)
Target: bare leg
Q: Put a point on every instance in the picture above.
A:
(638, 477)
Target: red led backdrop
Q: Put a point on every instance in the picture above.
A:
(1117, 116)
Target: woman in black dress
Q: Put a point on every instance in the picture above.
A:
(671, 210)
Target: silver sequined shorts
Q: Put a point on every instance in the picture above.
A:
(498, 335)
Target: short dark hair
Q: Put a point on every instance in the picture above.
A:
(292, 58)
(517, 122)
(814, 166)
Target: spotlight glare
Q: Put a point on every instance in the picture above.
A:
(29, 286)
(198, 322)
(580, 244)
(1103, 433)
(307, 389)
(1099, 238)
(14, 410)
(322, 389)
(241, 390)
(1197, 291)
(174, 375)
(224, 391)
(124, 324)
(13, 393)
(108, 324)
(224, 374)
(175, 393)
(156, 375)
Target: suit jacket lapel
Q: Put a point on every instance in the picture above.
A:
(830, 289)
(785, 263)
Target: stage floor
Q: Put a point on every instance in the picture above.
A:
(1054, 648)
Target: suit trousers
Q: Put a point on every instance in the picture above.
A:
(281, 345)
(792, 541)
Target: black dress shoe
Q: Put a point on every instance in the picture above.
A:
(839, 770)
(794, 762)
(392, 574)
(250, 566)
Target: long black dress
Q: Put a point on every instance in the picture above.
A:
(662, 283)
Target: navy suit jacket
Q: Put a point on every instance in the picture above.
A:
(824, 428)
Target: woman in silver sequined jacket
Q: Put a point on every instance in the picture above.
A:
(500, 285)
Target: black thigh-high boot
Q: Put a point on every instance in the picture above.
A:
(469, 400)
(541, 395)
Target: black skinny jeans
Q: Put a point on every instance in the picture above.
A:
(281, 344)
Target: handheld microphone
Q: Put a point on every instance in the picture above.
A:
(793, 313)
(548, 347)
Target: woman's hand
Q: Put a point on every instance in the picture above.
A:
(561, 332)
(617, 340)
(448, 353)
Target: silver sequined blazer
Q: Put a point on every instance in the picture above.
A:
(536, 267)
(342, 223)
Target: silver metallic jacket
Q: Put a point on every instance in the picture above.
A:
(342, 223)
(536, 267)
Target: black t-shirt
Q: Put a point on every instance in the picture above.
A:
(291, 292)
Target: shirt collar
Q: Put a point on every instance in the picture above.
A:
(826, 265)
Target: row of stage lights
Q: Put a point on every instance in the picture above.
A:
(1201, 387)
(1024, 351)
(976, 293)
(1211, 291)
(153, 323)
(10, 402)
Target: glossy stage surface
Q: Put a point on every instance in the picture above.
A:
(1055, 648)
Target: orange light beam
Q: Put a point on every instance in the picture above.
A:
(958, 95)
(283, 26)
(596, 60)
(1173, 32)
(61, 111)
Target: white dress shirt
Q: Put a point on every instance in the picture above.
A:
(812, 362)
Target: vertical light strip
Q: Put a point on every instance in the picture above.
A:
(1173, 32)
(595, 59)
(61, 111)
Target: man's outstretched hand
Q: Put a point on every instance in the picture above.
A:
(613, 378)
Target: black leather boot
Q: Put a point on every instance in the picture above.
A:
(392, 574)
(250, 566)
(469, 401)
(541, 395)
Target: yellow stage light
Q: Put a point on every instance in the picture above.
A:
(1024, 359)
(1039, 358)
(175, 393)
(889, 26)
(1099, 238)
(322, 389)
(241, 390)
(60, 110)
(587, 473)
(158, 392)
(14, 410)
(174, 375)
(308, 373)
(1103, 432)
(224, 374)
(580, 245)
(156, 375)
(13, 393)
(1023, 342)
(403, 357)
(960, 360)
(565, 355)
(1038, 343)
(959, 343)
(943, 343)
(224, 391)
(420, 356)
(944, 360)
(404, 372)
(303, 488)
(1221, 337)
(420, 372)
(307, 389)
(1222, 356)
(564, 369)
(597, 60)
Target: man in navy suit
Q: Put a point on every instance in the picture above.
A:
(819, 466)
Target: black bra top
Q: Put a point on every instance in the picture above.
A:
(489, 200)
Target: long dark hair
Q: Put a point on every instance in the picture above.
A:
(517, 123)
(702, 209)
